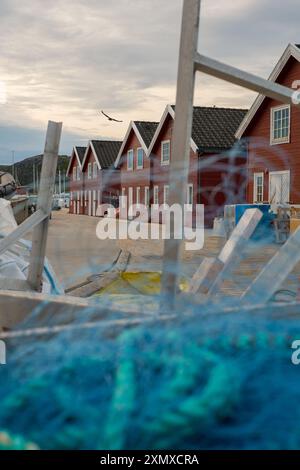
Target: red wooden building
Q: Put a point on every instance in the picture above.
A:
(134, 163)
(101, 180)
(95, 181)
(271, 132)
(74, 173)
(216, 171)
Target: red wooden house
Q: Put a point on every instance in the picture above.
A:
(74, 173)
(216, 172)
(271, 132)
(101, 181)
(134, 164)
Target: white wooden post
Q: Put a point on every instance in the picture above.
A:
(244, 79)
(44, 203)
(275, 272)
(212, 271)
(179, 164)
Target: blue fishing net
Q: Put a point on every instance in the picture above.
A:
(203, 381)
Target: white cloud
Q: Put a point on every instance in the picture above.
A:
(68, 59)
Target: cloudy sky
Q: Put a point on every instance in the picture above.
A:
(67, 59)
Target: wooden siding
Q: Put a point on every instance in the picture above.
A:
(264, 157)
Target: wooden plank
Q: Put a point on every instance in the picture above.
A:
(179, 164)
(275, 272)
(212, 271)
(205, 276)
(22, 230)
(232, 249)
(245, 79)
(44, 202)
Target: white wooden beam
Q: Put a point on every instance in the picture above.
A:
(212, 271)
(245, 79)
(44, 203)
(275, 272)
(22, 230)
(181, 143)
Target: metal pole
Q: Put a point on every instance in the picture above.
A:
(39, 238)
(179, 164)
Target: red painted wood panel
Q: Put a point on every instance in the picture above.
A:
(264, 157)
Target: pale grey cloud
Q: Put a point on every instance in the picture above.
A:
(67, 59)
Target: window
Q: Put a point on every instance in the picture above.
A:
(75, 173)
(78, 173)
(166, 194)
(138, 196)
(155, 195)
(258, 195)
(165, 152)
(147, 196)
(280, 125)
(190, 194)
(95, 170)
(130, 160)
(89, 171)
(140, 158)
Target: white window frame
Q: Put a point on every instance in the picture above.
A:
(255, 176)
(75, 173)
(95, 167)
(283, 140)
(284, 172)
(89, 171)
(139, 167)
(147, 196)
(165, 162)
(166, 193)
(138, 195)
(78, 173)
(190, 205)
(130, 153)
(156, 195)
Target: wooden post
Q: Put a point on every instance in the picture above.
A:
(181, 142)
(275, 272)
(44, 203)
(212, 271)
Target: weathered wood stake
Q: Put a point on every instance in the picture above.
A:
(44, 203)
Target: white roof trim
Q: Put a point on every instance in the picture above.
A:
(168, 111)
(290, 51)
(132, 127)
(74, 153)
(90, 145)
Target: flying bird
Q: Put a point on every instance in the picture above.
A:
(110, 118)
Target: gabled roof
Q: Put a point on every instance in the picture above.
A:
(104, 151)
(79, 153)
(213, 128)
(292, 50)
(144, 131)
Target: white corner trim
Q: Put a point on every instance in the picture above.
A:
(290, 51)
(90, 146)
(95, 155)
(168, 111)
(74, 153)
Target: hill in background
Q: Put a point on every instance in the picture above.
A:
(25, 169)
